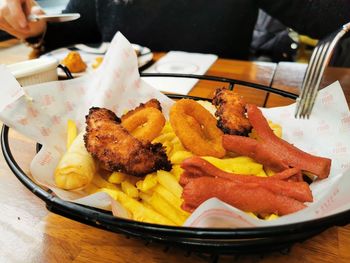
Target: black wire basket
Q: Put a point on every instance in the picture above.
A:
(214, 241)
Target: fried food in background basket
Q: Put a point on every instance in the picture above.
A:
(74, 62)
(97, 62)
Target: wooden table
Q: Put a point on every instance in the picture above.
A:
(29, 233)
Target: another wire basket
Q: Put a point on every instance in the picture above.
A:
(203, 240)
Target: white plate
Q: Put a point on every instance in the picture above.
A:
(144, 57)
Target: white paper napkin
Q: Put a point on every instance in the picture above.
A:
(11, 91)
(181, 63)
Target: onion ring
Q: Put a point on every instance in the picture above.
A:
(145, 124)
(196, 128)
(154, 103)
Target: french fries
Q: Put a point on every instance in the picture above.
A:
(129, 189)
(138, 210)
(171, 199)
(177, 171)
(72, 132)
(271, 217)
(238, 165)
(167, 180)
(179, 156)
(162, 192)
(148, 183)
(116, 178)
(102, 183)
(166, 204)
(276, 128)
(156, 198)
(166, 209)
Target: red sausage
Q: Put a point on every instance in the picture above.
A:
(273, 151)
(247, 197)
(196, 167)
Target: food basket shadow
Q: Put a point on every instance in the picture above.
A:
(214, 241)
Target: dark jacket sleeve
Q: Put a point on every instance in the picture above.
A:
(82, 30)
(315, 18)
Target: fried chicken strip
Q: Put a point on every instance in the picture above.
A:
(231, 112)
(117, 150)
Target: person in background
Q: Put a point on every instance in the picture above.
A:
(220, 27)
(272, 41)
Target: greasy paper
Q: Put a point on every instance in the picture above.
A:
(41, 113)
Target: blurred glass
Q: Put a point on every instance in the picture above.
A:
(53, 6)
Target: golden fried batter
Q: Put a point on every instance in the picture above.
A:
(145, 122)
(196, 128)
(74, 62)
(231, 112)
(153, 103)
(117, 150)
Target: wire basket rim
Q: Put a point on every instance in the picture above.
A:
(198, 236)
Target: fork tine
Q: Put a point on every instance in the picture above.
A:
(323, 61)
(310, 75)
(315, 79)
(335, 38)
(306, 81)
(301, 99)
(319, 60)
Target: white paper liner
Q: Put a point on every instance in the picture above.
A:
(42, 114)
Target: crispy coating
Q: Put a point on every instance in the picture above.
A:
(196, 128)
(144, 122)
(231, 112)
(117, 150)
(74, 62)
(152, 103)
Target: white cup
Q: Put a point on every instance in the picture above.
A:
(35, 71)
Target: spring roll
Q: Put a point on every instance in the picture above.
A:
(76, 167)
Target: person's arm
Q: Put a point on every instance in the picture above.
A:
(13, 18)
(83, 30)
(315, 18)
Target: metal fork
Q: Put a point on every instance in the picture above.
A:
(319, 60)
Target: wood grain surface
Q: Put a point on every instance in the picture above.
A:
(29, 233)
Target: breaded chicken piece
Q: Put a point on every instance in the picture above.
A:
(74, 62)
(231, 112)
(154, 103)
(117, 150)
